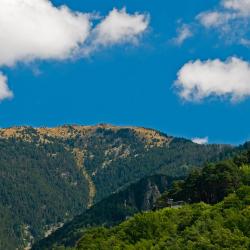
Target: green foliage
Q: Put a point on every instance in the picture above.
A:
(118, 207)
(197, 226)
(39, 186)
(245, 172)
(175, 159)
(210, 185)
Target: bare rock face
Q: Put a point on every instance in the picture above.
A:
(151, 195)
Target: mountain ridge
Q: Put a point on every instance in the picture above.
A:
(154, 137)
(88, 163)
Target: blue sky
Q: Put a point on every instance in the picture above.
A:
(132, 83)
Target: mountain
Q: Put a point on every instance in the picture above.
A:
(50, 175)
(223, 225)
(137, 197)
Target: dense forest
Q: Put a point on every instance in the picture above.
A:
(225, 225)
(138, 197)
(50, 175)
(39, 186)
(212, 183)
(214, 214)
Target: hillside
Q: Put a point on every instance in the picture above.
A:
(223, 225)
(137, 197)
(50, 175)
(197, 226)
(40, 186)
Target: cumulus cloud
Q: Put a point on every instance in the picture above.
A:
(183, 33)
(38, 30)
(119, 27)
(198, 80)
(4, 89)
(230, 19)
(35, 29)
(200, 140)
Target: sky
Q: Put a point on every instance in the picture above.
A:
(178, 66)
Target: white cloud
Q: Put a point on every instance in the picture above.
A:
(5, 92)
(231, 10)
(200, 140)
(37, 30)
(198, 80)
(116, 28)
(213, 18)
(240, 6)
(231, 19)
(183, 33)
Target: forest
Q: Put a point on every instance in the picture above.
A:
(215, 215)
(45, 173)
(197, 226)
